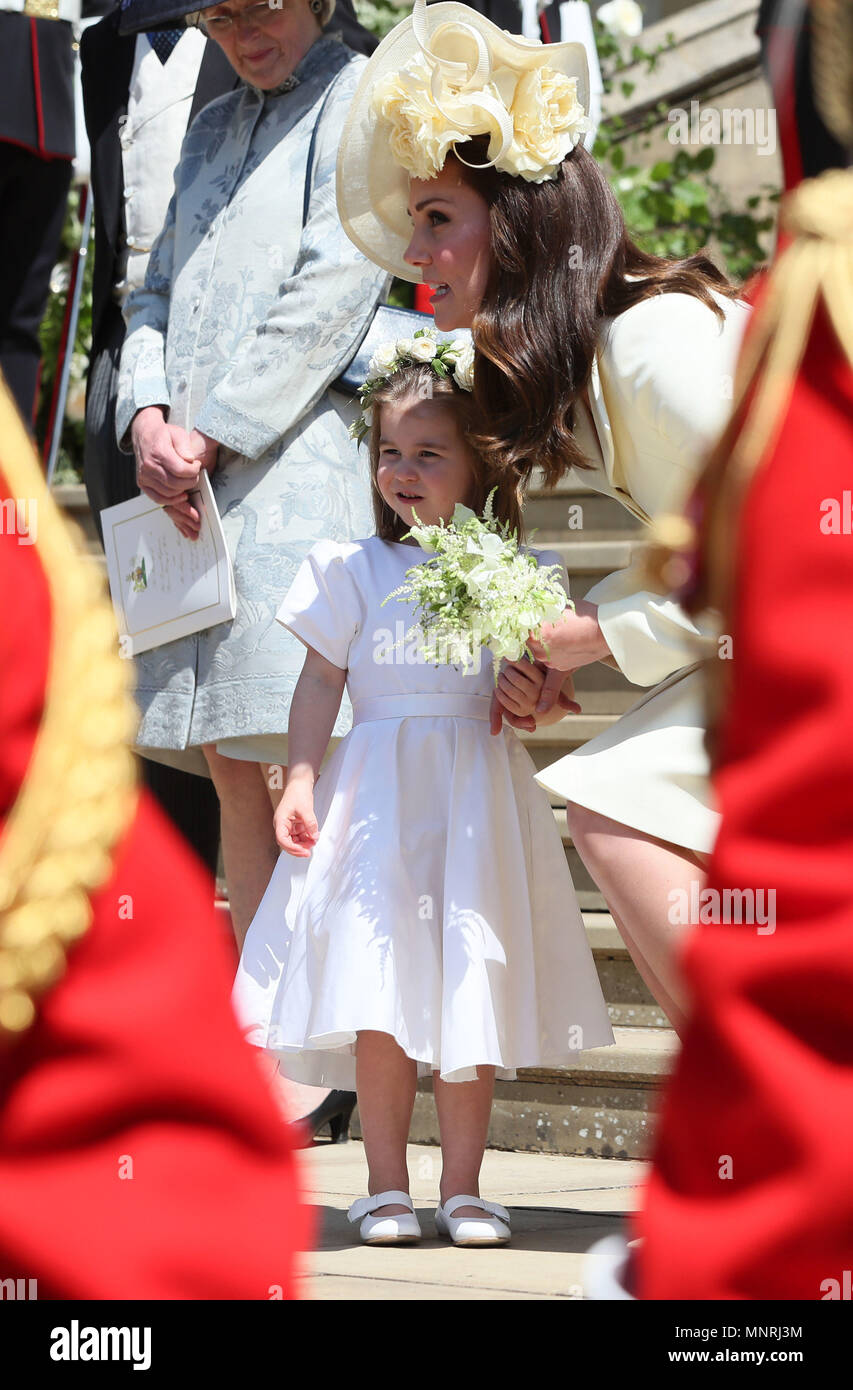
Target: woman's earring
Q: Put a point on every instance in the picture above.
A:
(315, 6)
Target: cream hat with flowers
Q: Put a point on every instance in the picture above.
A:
(439, 78)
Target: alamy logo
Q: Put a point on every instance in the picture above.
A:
(19, 516)
(18, 1288)
(705, 125)
(76, 1343)
(729, 907)
(392, 649)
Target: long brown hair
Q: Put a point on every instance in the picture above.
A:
(560, 264)
(419, 382)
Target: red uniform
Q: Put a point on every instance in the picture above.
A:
(141, 1155)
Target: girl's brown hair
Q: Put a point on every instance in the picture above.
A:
(419, 382)
(561, 262)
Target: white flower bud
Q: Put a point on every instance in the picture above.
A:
(463, 372)
(623, 18)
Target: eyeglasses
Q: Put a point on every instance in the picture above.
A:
(261, 14)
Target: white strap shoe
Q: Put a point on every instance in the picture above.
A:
(402, 1229)
(473, 1230)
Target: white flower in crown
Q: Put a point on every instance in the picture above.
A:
(423, 349)
(382, 362)
(623, 18)
(463, 368)
(446, 359)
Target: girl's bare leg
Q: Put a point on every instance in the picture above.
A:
(638, 876)
(464, 1109)
(386, 1080)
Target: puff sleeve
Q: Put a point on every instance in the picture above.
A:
(667, 371)
(322, 606)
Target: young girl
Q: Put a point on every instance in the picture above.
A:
(422, 918)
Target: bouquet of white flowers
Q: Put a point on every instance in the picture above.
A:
(478, 590)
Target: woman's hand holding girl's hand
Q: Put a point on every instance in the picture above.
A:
(294, 821)
(519, 692)
(575, 640)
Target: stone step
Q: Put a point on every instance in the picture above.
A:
(603, 1106)
(588, 515)
(570, 485)
(593, 557)
(570, 732)
(629, 1002)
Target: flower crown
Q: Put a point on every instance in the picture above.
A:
(532, 115)
(454, 359)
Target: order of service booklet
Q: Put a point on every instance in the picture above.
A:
(164, 586)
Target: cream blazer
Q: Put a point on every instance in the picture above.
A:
(660, 393)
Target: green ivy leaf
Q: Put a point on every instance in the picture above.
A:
(691, 192)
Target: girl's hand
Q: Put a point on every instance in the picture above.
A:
(520, 691)
(294, 820)
(575, 640)
(519, 684)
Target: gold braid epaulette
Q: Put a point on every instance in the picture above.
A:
(81, 788)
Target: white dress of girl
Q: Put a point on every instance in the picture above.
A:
(436, 905)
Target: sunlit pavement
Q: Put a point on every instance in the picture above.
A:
(559, 1207)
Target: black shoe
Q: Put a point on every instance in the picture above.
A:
(335, 1111)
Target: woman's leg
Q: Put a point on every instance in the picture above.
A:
(464, 1109)
(639, 877)
(386, 1080)
(249, 849)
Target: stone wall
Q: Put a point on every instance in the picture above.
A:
(714, 63)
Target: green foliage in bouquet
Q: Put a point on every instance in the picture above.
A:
(478, 589)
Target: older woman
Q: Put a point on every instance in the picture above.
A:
(247, 316)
